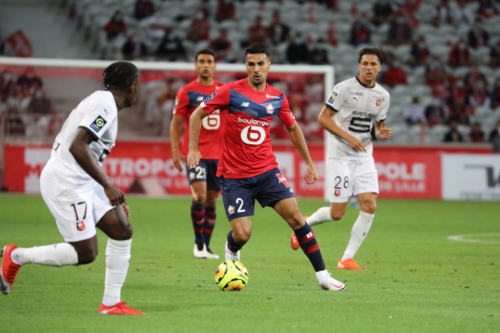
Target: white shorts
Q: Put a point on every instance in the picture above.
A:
(351, 176)
(76, 208)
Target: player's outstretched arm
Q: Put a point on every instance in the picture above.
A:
(83, 155)
(298, 140)
(194, 154)
(175, 134)
(326, 121)
(382, 132)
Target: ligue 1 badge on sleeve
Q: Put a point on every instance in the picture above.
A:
(98, 123)
(332, 97)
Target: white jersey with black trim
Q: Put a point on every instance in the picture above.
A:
(98, 114)
(356, 108)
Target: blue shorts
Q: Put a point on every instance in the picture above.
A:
(205, 171)
(239, 194)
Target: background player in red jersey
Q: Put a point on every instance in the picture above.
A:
(247, 168)
(205, 185)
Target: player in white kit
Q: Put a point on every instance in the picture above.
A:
(81, 197)
(349, 114)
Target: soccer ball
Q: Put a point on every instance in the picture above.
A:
(231, 276)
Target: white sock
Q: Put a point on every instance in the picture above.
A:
(61, 254)
(322, 275)
(117, 262)
(322, 215)
(358, 234)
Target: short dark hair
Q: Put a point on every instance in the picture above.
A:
(204, 51)
(257, 49)
(372, 50)
(120, 75)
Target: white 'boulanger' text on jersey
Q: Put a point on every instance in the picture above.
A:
(98, 114)
(356, 108)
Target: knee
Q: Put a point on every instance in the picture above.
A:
(200, 197)
(242, 236)
(337, 215)
(86, 257)
(368, 206)
(125, 233)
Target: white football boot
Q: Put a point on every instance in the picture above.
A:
(210, 254)
(200, 253)
(328, 283)
(229, 255)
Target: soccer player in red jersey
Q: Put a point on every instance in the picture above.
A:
(205, 185)
(247, 168)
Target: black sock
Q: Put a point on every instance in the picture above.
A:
(209, 224)
(198, 219)
(231, 244)
(310, 246)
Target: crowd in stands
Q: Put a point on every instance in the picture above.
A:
(442, 66)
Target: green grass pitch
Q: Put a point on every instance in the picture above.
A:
(417, 279)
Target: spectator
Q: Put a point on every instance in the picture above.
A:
(453, 135)
(459, 112)
(134, 47)
(40, 104)
(28, 81)
(199, 27)
(476, 134)
(456, 91)
(156, 25)
(257, 33)
(435, 113)
(171, 47)
(486, 9)
(462, 15)
(495, 94)
(475, 75)
(460, 55)
(442, 14)
(221, 46)
(382, 11)
(226, 10)
(115, 27)
(419, 53)
(360, 32)
(495, 55)
(477, 36)
(394, 74)
(278, 32)
(319, 53)
(494, 138)
(297, 51)
(414, 113)
(435, 73)
(478, 95)
(206, 7)
(399, 32)
(143, 9)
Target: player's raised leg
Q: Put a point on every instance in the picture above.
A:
(237, 237)
(116, 226)
(289, 211)
(360, 229)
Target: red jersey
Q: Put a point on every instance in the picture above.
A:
(187, 100)
(246, 145)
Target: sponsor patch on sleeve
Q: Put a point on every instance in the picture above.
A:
(332, 97)
(98, 124)
(209, 98)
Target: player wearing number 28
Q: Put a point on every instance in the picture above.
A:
(349, 114)
(204, 183)
(248, 169)
(81, 197)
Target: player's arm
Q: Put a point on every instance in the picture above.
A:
(175, 135)
(83, 155)
(298, 140)
(326, 121)
(194, 154)
(382, 132)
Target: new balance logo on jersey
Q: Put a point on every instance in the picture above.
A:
(245, 104)
(282, 179)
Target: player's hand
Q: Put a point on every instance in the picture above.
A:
(114, 194)
(193, 158)
(384, 133)
(356, 145)
(177, 158)
(126, 209)
(312, 175)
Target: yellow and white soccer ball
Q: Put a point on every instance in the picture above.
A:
(231, 276)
